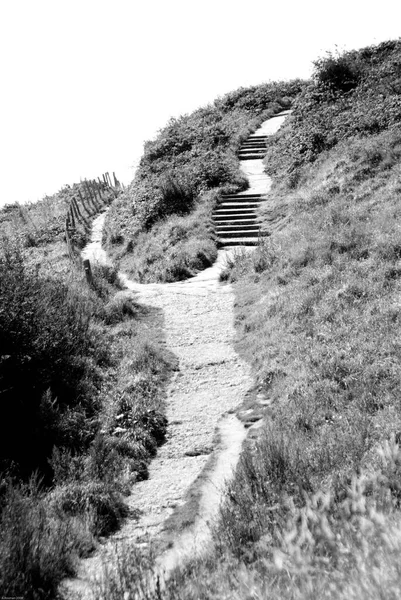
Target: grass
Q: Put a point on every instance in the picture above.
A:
(175, 248)
(331, 545)
(82, 375)
(159, 229)
(314, 508)
(35, 548)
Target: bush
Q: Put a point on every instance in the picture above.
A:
(337, 73)
(175, 248)
(97, 499)
(353, 94)
(46, 366)
(256, 500)
(120, 307)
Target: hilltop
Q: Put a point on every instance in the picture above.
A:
(160, 228)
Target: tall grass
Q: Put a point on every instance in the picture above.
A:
(326, 544)
(36, 549)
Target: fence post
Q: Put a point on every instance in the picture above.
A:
(88, 271)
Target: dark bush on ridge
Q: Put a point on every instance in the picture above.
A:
(354, 94)
(337, 73)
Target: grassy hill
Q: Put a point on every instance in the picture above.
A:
(314, 508)
(160, 228)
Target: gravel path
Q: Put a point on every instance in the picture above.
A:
(204, 436)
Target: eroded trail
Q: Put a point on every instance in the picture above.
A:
(204, 436)
(211, 382)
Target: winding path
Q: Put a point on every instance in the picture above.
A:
(204, 436)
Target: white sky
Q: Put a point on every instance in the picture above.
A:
(85, 82)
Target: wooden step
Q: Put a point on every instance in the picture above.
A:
(249, 149)
(236, 205)
(255, 144)
(241, 200)
(244, 194)
(235, 215)
(225, 226)
(237, 209)
(234, 220)
(234, 241)
(239, 233)
(252, 157)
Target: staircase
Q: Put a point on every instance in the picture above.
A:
(253, 147)
(235, 217)
(236, 221)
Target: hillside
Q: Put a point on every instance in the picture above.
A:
(160, 229)
(78, 365)
(313, 511)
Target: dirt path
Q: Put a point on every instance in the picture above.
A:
(204, 436)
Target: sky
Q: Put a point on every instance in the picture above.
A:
(84, 83)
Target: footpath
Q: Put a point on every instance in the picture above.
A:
(181, 497)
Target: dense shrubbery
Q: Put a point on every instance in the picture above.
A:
(191, 155)
(48, 373)
(81, 388)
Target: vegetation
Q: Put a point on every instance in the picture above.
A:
(314, 508)
(159, 228)
(354, 94)
(81, 385)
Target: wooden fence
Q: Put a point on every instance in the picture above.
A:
(91, 197)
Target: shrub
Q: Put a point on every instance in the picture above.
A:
(352, 94)
(46, 366)
(337, 73)
(120, 307)
(95, 498)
